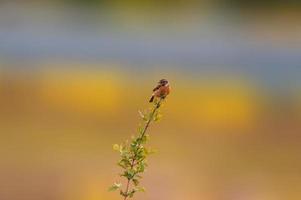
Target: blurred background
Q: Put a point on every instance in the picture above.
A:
(74, 73)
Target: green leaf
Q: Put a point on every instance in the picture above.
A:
(123, 193)
(131, 193)
(136, 182)
(142, 115)
(141, 167)
(140, 189)
(140, 129)
(124, 163)
(157, 117)
(138, 176)
(129, 174)
(115, 187)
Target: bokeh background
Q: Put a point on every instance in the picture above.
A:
(74, 73)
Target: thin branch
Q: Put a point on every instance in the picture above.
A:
(141, 136)
(151, 117)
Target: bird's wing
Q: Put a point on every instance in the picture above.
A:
(156, 88)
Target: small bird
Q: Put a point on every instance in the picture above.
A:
(161, 91)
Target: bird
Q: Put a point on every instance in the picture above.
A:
(161, 91)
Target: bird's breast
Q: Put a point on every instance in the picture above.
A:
(163, 90)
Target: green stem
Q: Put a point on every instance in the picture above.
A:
(141, 136)
(151, 117)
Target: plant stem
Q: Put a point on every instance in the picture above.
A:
(151, 117)
(129, 181)
(127, 189)
(141, 136)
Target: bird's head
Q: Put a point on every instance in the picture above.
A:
(163, 82)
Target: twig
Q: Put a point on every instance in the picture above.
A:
(140, 138)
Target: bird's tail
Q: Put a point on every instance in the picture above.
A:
(152, 99)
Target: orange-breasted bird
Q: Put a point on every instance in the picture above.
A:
(161, 91)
